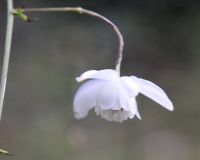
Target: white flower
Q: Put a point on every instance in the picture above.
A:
(114, 97)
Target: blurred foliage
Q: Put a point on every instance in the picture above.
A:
(161, 44)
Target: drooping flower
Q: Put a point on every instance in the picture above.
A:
(114, 97)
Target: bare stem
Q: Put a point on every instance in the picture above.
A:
(93, 14)
(8, 40)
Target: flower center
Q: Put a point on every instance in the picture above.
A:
(117, 111)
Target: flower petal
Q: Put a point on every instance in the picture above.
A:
(105, 74)
(85, 98)
(133, 107)
(123, 99)
(154, 92)
(85, 75)
(131, 87)
(107, 97)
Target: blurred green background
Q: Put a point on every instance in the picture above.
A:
(162, 44)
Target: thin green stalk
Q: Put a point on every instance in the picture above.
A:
(8, 40)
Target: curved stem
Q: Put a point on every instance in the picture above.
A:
(8, 40)
(93, 14)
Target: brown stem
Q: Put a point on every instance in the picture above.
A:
(93, 14)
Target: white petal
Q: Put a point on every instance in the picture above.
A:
(131, 116)
(85, 98)
(154, 92)
(133, 107)
(85, 75)
(105, 74)
(131, 87)
(107, 97)
(123, 99)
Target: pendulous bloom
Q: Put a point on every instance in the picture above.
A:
(114, 97)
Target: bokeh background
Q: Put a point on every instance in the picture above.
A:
(162, 44)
